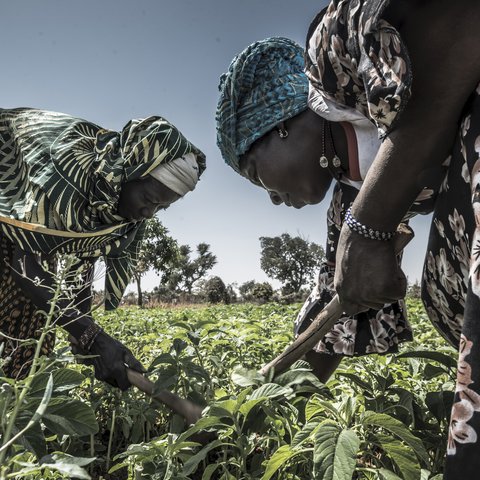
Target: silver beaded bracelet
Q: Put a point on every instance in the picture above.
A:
(365, 231)
(88, 336)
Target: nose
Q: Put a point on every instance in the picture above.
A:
(275, 198)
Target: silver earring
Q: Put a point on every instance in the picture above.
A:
(327, 136)
(324, 161)
(282, 132)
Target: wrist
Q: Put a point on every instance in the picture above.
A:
(88, 337)
(365, 230)
(74, 325)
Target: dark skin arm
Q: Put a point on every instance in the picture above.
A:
(111, 356)
(446, 70)
(74, 318)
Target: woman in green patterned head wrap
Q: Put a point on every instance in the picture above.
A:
(69, 186)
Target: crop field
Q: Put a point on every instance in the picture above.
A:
(379, 417)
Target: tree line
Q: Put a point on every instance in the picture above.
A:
(183, 272)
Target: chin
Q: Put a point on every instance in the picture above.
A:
(318, 198)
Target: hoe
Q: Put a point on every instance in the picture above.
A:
(322, 323)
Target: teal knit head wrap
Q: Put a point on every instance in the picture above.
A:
(264, 85)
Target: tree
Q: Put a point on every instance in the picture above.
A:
(215, 291)
(291, 260)
(157, 250)
(414, 290)
(262, 292)
(181, 274)
(245, 290)
(252, 291)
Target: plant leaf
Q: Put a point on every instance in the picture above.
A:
(278, 459)
(385, 474)
(439, 357)
(245, 377)
(335, 452)
(270, 390)
(45, 400)
(72, 417)
(209, 471)
(396, 427)
(191, 464)
(64, 379)
(403, 456)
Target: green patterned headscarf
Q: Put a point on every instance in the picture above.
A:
(60, 181)
(264, 85)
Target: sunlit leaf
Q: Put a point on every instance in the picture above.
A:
(278, 459)
(270, 390)
(335, 452)
(402, 455)
(396, 427)
(245, 377)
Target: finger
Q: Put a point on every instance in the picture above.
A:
(122, 380)
(98, 370)
(353, 308)
(375, 305)
(133, 363)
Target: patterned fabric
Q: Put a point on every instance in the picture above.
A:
(451, 288)
(357, 59)
(372, 331)
(60, 180)
(18, 320)
(264, 85)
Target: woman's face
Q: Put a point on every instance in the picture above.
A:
(141, 199)
(288, 168)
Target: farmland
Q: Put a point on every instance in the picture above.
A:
(379, 417)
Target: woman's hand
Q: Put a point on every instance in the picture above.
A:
(367, 273)
(111, 360)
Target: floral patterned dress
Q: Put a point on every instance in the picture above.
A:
(357, 63)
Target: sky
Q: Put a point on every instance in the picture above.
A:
(108, 61)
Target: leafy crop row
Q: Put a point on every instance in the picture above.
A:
(379, 417)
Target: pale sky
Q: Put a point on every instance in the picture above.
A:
(108, 61)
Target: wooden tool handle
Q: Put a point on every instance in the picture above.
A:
(188, 410)
(325, 320)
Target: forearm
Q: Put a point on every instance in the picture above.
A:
(446, 71)
(409, 160)
(38, 283)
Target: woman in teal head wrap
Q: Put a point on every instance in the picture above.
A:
(394, 117)
(268, 134)
(69, 186)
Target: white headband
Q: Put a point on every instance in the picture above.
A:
(179, 175)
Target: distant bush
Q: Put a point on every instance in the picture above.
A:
(252, 291)
(214, 290)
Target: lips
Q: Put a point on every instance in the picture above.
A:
(287, 200)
